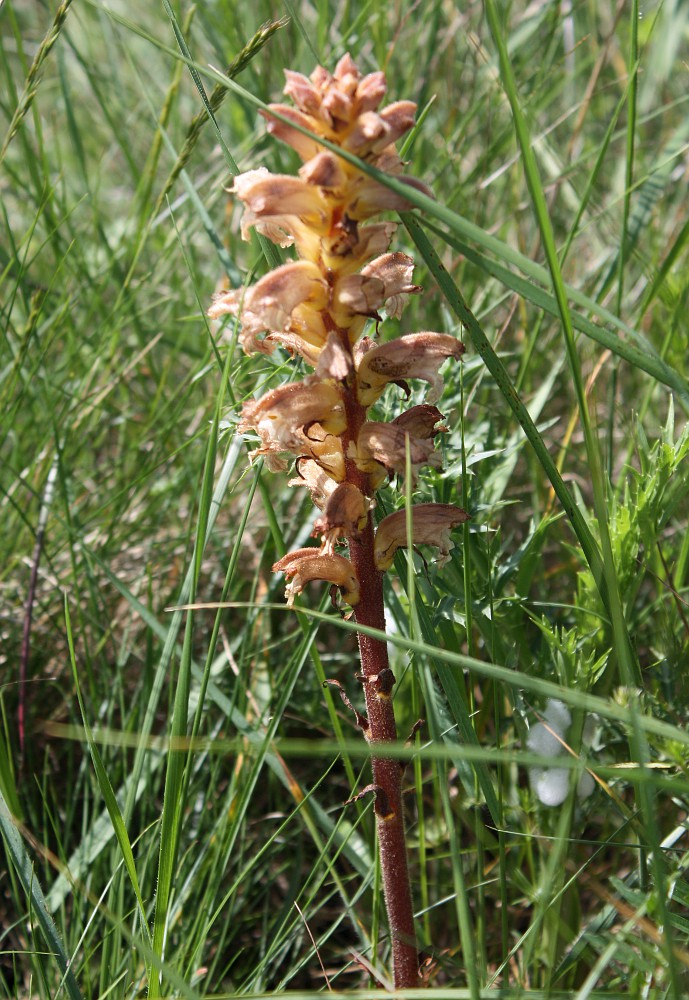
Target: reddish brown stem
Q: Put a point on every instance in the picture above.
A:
(387, 772)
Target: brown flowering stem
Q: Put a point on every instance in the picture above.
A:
(317, 306)
(387, 772)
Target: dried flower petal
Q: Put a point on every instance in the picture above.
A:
(345, 516)
(431, 525)
(387, 444)
(422, 421)
(284, 415)
(418, 355)
(385, 281)
(320, 485)
(304, 565)
(334, 361)
(268, 306)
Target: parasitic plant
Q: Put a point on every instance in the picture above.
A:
(317, 307)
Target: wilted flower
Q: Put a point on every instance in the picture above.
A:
(280, 305)
(289, 416)
(431, 525)
(345, 515)
(423, 421)
(382, 446)
(304, 565)
(386, 280)
(418, 355)
(320, 483)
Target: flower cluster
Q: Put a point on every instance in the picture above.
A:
(317, 307)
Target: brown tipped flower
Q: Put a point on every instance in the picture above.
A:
(431, 525)
(319, 483)
(345, 516)
(293, 416)
(386, 445)
(383, 282)
(418, 355)
(305, 146)
(423, 421)
(304, 565)
(285, 209)
(280, 305)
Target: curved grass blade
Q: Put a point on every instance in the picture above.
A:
(506, 386)
(629, 665)
(19, 858)
(104, 782)
(544, 300)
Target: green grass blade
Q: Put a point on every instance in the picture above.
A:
(111, 804)
(506, 387)
(629, 667)
(22, 865)
(544, 300)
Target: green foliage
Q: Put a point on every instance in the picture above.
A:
(175, 814)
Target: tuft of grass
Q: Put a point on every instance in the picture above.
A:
(174, 824)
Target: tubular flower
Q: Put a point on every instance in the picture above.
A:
(386, 445)
(422, 421)
(431, 525)
(318, 482)
(418, 355)
(345, 515)
(385, 280)
(304, 565)
(295, 417)
(317, 307)
(280, 305)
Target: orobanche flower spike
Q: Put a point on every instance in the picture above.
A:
(317, 308)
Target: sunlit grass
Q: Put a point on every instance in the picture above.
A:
(557, 250)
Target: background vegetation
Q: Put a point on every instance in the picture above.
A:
(172, 782)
